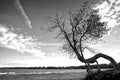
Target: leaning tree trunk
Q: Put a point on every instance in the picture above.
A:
(94, 58)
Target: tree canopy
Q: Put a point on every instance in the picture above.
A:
(79, 29)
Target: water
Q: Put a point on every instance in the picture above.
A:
(42, 74)
(38, 71)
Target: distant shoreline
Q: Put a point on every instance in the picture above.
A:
(102, 66)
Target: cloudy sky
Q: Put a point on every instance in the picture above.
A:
(23, 43)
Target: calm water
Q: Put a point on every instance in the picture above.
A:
(39, 71)
(42, 74)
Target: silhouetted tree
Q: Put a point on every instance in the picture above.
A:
(78, 30)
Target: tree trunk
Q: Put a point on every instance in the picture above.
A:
(94, 58)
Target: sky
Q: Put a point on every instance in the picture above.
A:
(23, 43)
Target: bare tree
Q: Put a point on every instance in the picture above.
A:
(80, 28)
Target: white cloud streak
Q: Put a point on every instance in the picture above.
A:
(22, 12)
(51, 44)
(21, 43)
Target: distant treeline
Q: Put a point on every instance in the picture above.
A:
(102, 66)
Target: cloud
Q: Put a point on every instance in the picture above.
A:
(110, 49)
(12, 63)
(51, 44)
(22, 12)
(21, 43)
(110, 12)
